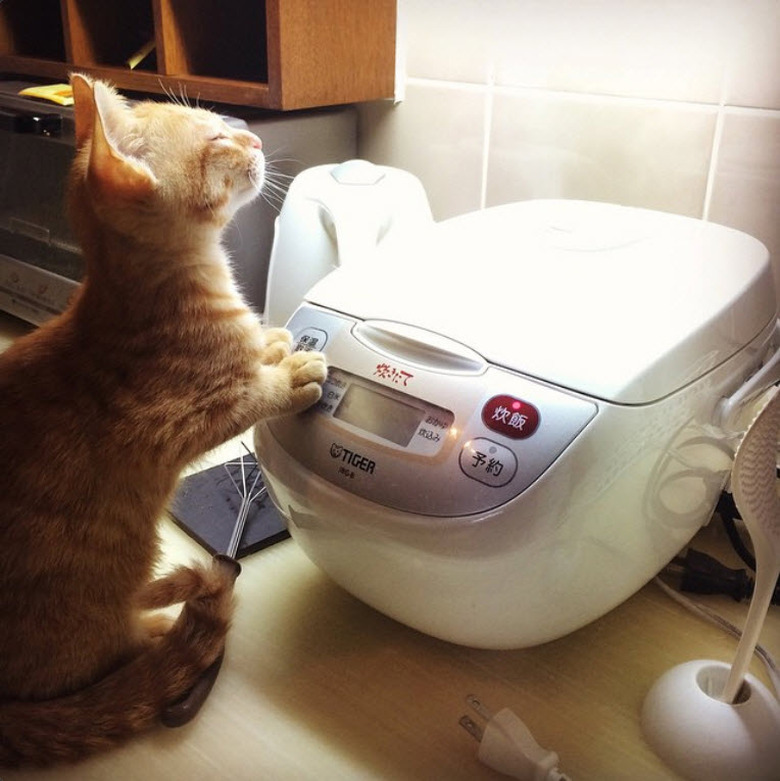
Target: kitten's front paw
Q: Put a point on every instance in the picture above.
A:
(278, 345)
(308, 371)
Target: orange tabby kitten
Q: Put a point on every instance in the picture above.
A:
(156, 361)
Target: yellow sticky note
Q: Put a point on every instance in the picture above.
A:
(61, 94)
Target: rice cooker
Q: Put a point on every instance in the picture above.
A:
(529, 411)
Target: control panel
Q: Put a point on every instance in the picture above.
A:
(415, 422)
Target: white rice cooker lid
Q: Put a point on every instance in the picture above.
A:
(622, 304)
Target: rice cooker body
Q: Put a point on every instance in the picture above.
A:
(477, 502)
(550, 535)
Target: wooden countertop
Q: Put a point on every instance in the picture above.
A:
(316, 685)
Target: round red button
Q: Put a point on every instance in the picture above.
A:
(510, 416)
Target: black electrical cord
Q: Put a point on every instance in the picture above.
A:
(699, 573)
(727, 510)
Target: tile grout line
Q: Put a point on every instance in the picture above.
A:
(717, 137)
(714, 159)
(487, 128)
(595, 97)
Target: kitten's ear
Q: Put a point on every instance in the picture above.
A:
(114, 175)
(84, 107)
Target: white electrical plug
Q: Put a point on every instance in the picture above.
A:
(507, 745)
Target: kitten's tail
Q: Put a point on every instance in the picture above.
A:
(132, 698)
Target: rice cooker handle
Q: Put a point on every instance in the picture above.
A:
(767, 375)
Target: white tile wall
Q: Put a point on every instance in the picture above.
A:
(667, 104)
(451, 119)
(635, 152)
(746, 181)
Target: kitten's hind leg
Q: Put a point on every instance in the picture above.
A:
(177, 586)
(184, 583)
(156, 624)
(204, 621)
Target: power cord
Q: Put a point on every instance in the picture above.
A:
(727, 511)
(507, 745)
(700, 573)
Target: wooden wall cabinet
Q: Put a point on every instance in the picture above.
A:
(276, 54)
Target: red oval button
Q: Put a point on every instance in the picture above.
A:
(510, 416)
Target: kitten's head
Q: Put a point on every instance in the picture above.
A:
(161, 167)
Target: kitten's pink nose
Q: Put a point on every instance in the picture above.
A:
(255, 141)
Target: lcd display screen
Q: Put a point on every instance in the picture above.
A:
(379, 414)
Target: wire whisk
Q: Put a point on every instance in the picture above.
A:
(246, 484)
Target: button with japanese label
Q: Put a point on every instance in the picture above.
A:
(331, 396)
(487, 461)
(511, 417)
(310, 339)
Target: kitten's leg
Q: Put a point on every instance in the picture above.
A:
(292, 385)
(155, 624)
(181, 584)
(197, 585)
(204, 622)
(278, 345)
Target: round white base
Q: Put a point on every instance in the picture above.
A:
(702, 737)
